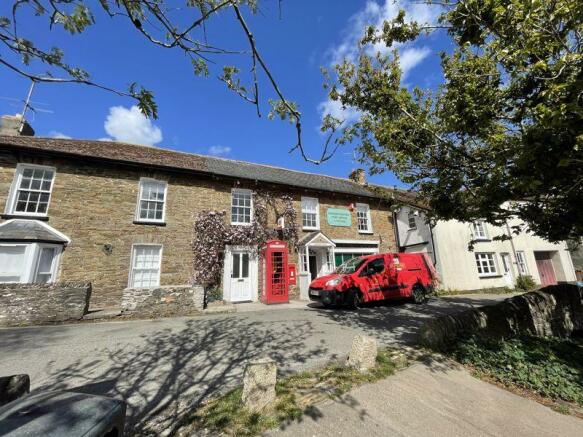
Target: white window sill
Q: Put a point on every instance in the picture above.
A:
(366, 232)
(20, 215)
(490, 275)
(240, 224)
(150, 222)
(310, 229)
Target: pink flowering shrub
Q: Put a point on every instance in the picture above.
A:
(212, 232)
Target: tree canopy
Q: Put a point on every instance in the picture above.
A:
(502, 136)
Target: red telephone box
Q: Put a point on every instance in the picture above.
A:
(276, 274)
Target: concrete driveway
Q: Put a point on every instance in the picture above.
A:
(164, 367)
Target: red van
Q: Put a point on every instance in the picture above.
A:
(376, 277)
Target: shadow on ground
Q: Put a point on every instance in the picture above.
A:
(398, 322)
(174, 370)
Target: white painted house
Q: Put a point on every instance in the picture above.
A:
(491, 263)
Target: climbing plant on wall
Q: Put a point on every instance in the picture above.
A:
(212, 232)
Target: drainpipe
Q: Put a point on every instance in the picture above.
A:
(512, 246)
(432, 244)
(396, 229)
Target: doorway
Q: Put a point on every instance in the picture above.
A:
(240, 275)
(506, 269)
(544, 264)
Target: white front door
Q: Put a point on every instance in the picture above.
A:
(506, 270)
(241, 285)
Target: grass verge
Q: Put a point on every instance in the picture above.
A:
(549, 370)
(227, 414)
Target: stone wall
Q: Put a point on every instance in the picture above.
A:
(555, 311)
(94, 204)
(23, 304)
(163, 301)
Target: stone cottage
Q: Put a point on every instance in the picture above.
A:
(121, 216)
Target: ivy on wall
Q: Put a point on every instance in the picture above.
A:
(213, 231)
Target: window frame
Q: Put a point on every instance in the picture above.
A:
(132, 258)
(10, 207)
(242, 191)
(521, 263)
(32, 253)
(317, 212)
(410, 215)
(137, 217)
(366, 208)
(494, 273)
(484, 234)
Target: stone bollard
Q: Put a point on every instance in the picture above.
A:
(363, 354)
(259, 384)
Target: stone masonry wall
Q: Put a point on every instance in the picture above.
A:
(162, 301)
(553, 311)
(23, 304)
(94, 204)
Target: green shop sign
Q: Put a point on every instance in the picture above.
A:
(339, 217)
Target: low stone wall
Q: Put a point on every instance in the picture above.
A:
(169, 300)
(551, 311)
(23, 304)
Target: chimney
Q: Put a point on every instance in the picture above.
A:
(15, 125)
(358, 176)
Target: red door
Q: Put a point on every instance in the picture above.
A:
(545, 268)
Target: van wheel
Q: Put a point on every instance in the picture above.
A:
(355, 300)
(418, 294)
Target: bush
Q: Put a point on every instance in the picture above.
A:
(551, 367)
(525, 283)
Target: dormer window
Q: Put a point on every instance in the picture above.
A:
(31, 190)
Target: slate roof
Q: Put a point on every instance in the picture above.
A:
(29, 230)
(134, 154)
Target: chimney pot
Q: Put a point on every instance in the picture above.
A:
(15, 125)
(358, 176)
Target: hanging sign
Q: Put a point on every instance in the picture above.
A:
(339, 217)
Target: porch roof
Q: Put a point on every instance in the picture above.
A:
(30, 230)
(316, 238)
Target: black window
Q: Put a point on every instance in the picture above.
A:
(375, 266)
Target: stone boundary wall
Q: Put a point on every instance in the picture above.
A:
(170, 300)
(24, 304)
(553, 311)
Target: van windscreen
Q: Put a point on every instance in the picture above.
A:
(349, 266)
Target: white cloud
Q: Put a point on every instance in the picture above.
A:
(131, 126)
(409, 58)
(59, 135)
(335, 109)
(375, 14)
(219, 150)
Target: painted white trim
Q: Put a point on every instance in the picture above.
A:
(10, 205)
(138, 203)
(356, 250)
(310, 228)
(32, 252)
(131, 271)
(496, 265)
(375, 242)
(253, 272)
(242, 191)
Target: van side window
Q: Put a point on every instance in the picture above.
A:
(375, 266)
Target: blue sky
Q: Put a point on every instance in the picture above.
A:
(199, 114)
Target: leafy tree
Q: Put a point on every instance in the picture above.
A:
(502, 136)
(178, 25)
